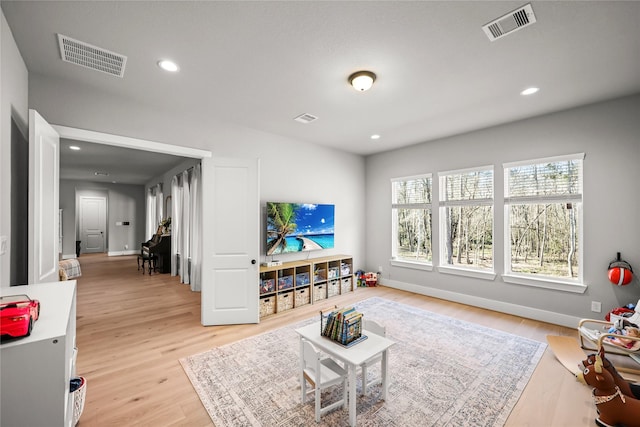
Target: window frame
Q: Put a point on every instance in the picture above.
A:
(576, 285)
(395, 261)
(443, 204)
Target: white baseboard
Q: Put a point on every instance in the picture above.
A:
(68, 256)
(500, 306)
(121, 253)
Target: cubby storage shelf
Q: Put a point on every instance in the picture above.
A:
(297, 283)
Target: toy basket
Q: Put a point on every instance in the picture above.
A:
(78, 400)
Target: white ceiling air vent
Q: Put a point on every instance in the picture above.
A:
(512, 21)
(305, 118)
(89, 56)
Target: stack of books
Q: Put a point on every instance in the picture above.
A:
(343, 325)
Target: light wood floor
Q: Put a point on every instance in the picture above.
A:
(133, 328)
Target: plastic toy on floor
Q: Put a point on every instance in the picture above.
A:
(614, 408)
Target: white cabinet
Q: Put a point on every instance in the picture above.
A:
(35, 370)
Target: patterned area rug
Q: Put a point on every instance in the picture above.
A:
(443, 372)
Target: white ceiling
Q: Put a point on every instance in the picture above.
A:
(261, 64)
(121, 165)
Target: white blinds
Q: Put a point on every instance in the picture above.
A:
(413, 192)
(544, 180)
(462, 187)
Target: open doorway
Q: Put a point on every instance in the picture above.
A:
(119, 169)
(18, 269)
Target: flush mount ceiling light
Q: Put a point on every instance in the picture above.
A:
(376, 136)
(74, 147)
(529, 91)
(100, 173)
(362, 80)
(168, 65)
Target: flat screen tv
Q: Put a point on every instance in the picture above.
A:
(297, 227)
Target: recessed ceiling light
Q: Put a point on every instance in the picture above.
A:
(168, 65)
(99, 173)
(529, 91)
(375, 136)
(74, 147)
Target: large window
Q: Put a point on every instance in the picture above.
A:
(466, 219)
(543, 217)
(411, 212)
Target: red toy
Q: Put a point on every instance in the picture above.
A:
(17, 315)
(620, 272)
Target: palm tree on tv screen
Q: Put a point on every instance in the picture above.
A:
(280, 223)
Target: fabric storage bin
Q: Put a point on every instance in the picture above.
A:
(303, 296)
(285, 301)
(333, 288)
(346, 285)
(267, 306)
(319, 292)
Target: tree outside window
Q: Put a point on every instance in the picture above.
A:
(411, 223)
(466, 219)
(543, 213)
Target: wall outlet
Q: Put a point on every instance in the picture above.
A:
(596, 306)
(126, 247)
(379, 269)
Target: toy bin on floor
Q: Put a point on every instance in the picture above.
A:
(78, 388)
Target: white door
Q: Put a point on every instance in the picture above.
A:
(230, 241)
(93, 223)
(44, 174)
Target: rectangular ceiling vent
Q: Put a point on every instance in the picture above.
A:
(93, 57)
(305, 118)
(512, 21)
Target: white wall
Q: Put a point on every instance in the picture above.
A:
(13, 104)
(124, 203)
(290, 170)
(606, 132)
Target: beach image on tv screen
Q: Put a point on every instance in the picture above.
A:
(296, 227)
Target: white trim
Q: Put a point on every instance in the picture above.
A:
(554, 159)
(467, 272)
(412, 177)
(121, 253)
(535, 200)
(466, 202)
(546, 283)
(411, 264)
(68, 256)
(463, 171)
(499, 306)
(127, 142)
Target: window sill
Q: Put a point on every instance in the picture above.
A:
(476, 274)
(547, 283)
(411, 264)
